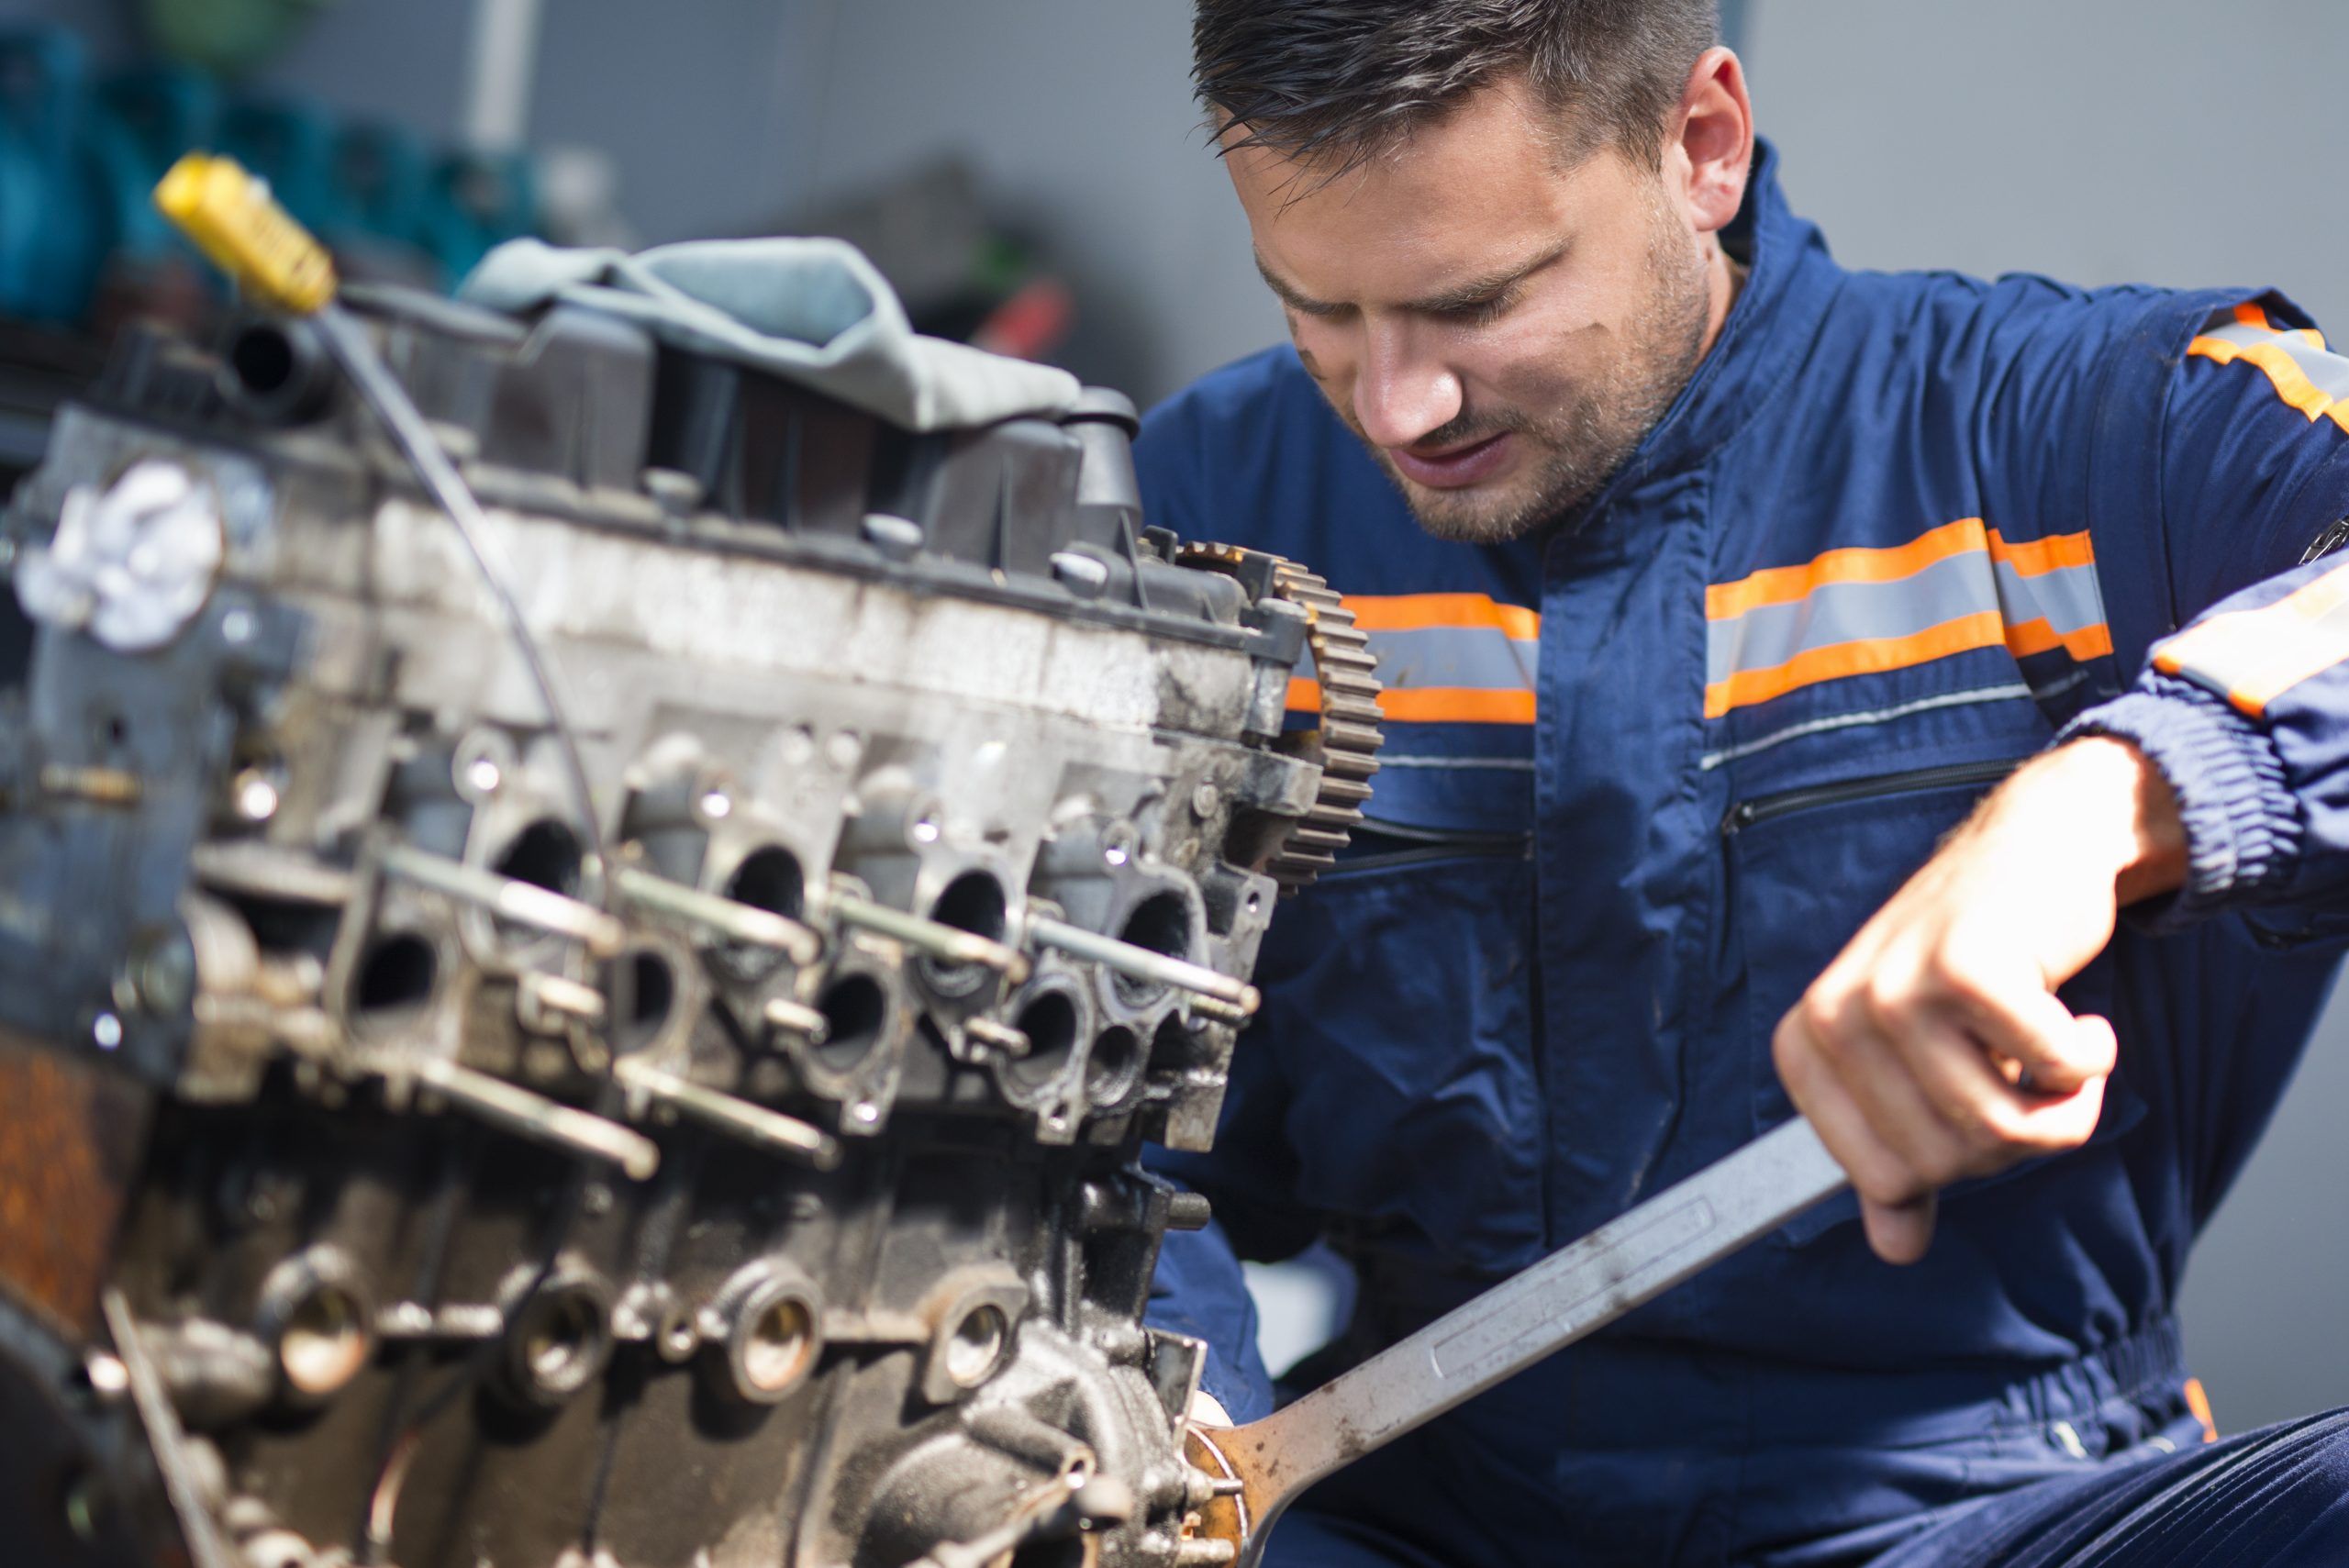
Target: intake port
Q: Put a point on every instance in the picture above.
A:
(394, 980)
(769, 879)
(1049, 1021)
(1161, 924)
(856, 1012)
(1112, 1066)
(547, 854)
(652, 1000)
(972, 902)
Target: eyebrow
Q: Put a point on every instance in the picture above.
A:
(1459, 297)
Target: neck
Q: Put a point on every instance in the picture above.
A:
(1723, 278)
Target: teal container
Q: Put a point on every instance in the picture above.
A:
(55, 225)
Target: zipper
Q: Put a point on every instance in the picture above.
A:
(1426, 844)
(1762, 809)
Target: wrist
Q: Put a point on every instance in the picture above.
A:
(2099, 802)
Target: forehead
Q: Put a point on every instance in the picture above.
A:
(1463, 194)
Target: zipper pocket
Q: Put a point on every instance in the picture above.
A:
(1762, 809)
(1421, 845)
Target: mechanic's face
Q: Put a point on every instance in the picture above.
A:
(1499, 330)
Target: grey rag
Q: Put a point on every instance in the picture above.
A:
(812, 311)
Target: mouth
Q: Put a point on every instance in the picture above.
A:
(1456, 468)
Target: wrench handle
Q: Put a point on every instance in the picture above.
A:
(1584, 1286)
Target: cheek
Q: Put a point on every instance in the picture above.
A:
(1530, 364)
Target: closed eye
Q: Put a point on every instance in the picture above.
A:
(1479, 312)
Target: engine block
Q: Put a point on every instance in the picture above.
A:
(401, 1170)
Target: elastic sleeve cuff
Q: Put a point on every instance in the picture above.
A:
(2243, 825)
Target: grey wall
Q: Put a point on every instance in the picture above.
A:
(1078, 115)
(2103, 142)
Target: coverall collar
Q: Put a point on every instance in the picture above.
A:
(1789, 282)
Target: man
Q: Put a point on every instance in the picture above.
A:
(1714, 586)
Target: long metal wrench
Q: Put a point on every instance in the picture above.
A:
(1264, 1465)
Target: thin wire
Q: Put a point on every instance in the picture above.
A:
(449, 491)
(347, 342)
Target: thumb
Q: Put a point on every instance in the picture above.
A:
(1899, 1233)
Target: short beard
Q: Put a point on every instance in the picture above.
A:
(1598, 425)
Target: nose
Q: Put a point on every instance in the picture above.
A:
(1402, 396)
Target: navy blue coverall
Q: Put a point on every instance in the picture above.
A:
(1649, 770)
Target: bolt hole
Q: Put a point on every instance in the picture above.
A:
(561, 1341)
(324, 1342)
(778, 1344)
(397, 975)
(976, 1345)
(855, 1012)
(262, 358)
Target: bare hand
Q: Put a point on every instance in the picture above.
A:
(1934, 1048)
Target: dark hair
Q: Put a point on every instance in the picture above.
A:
(1338, 82)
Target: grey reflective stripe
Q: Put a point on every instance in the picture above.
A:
(2067, 598)
(2326, 371)
(2015, 691)
(1479, 656)
(1455, 656)
(1515, 764)
(1956, 587)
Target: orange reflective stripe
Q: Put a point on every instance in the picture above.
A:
(1431, 704)
(2291, 381)
(2262, 653)
(1418, 612)
(2037, 557)
(1457, 705)
(1869, 656)
(1783, 585)
(2030, 637)
(2198, 1402)
(2249, 314)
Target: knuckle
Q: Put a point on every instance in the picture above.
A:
(1997, 1125)
(1816, 1017)
(1884, 1000)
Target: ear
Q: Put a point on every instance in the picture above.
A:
(1711, 144)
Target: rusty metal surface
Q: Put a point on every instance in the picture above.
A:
(70, 1141)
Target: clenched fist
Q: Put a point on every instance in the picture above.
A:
(1934, 1048)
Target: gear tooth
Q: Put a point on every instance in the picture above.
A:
(1346, 742)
